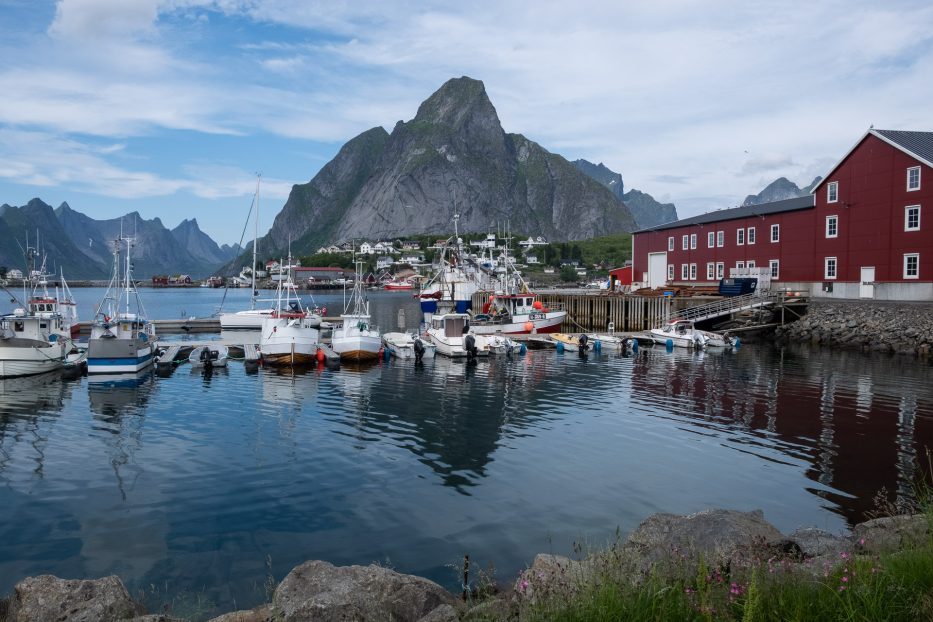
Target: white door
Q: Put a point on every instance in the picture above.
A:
(657, 269)
(866, 288)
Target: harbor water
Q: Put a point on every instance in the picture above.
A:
(199, 491)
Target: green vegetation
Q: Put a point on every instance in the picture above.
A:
(766, 585)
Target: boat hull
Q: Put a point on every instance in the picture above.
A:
(289, 357)
(244, 320)
(221, 361)
(16, 362)
(550, 323)
(288, 341)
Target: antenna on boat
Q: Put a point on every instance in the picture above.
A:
(252, 272)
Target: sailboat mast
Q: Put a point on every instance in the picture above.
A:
(252, 303)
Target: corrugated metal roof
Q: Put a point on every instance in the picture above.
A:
(775, 207)
(919, 144)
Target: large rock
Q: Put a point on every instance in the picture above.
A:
(263, 613)
(320, 591)
(550, 576)
(892, 533)
(718, 537)
(49, 598)
(817, 542)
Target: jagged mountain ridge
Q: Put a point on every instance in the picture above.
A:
(780, 189)
(646, 211)
(82, 246)
(452, 158)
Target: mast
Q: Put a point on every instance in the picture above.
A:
(252, 300)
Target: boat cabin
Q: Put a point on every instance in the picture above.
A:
(19, 325)
(519, 304)
(453, 325)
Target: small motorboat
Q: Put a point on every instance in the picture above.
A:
(610, 343)
(209, 356)
(408, 346)
(75, 364)
(500, 344)
(571, 343)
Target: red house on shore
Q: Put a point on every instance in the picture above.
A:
(859, 235)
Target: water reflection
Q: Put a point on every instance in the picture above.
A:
(835, 410)
(26, 404)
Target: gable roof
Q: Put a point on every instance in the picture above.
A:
(775, 207)
(918, 145)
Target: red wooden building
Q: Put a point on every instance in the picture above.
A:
(860, 234)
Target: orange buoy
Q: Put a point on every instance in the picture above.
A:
(529, 326)
(320, 355)
(537, 305)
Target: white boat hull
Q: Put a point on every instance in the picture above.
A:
(288, 341)
(252, 319)
(453, 346)
(354, 341)
(221, 361)
(29, 361)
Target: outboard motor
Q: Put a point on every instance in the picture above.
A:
(206, 359)
(583, 341)
(469, 344)
(419, 349)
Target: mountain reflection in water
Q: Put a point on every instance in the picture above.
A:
(195, 482)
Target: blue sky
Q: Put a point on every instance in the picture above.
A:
(170, 107)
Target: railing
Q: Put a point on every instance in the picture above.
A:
(722, 307)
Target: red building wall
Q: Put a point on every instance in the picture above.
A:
(872, 188)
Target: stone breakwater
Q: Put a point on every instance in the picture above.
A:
(867, 326)
(317, 590)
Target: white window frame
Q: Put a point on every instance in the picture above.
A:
(775, 233)
(684, 271)
(740, 265)
(693, 241)
(750, 263)
(684, 242)
(711, 239)
(720, 238)
(832, 192)
(916, 258)
(826, 271)
(909, 171)
(750, 236)
(834, 221)
(710, 271)
(693, 272)
(720, 269)
(775, 266)
(670, 271)
(740, 237)
(907, 211)
(670, 243)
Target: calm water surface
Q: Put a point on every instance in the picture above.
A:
(206, 485)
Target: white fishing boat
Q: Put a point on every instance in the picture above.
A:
(209, 356)
(518, 313)
(289, 337)
(680, 334)
(451, 334)
(28, 346)
(406, 346)
(500, 344)
(354, 339)
(122, 338)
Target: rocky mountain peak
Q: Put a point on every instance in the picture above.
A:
(457, 103)
(778, 190)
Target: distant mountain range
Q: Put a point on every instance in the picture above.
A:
(82, 246)
(452, 158)
(780, 189)
(646, 211)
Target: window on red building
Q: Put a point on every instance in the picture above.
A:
(829, 268)
(775, 266)
(832, 226)
(832, 192)
(775, 233)
(912, 218)
(912, 265)
(913, 178)
(751, 235)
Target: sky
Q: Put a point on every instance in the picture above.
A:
(171, 107)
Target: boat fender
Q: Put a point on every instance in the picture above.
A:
(386, 353)
(737, 342)
(597, 345)
(320, 356)
(560, 347)
(634, 345)
(522, 350)
(669, 344)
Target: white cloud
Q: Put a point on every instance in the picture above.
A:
(91, 20)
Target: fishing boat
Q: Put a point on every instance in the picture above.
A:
(517, 313)
(209, 356)
(500, 344)
(28, 345)
(289, 336)
(396, 284)
(122, 338)
(452, 335)
(354, 338)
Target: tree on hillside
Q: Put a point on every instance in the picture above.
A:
(568, 274)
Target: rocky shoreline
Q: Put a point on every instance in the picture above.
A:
(894, 328)
(317, 590)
